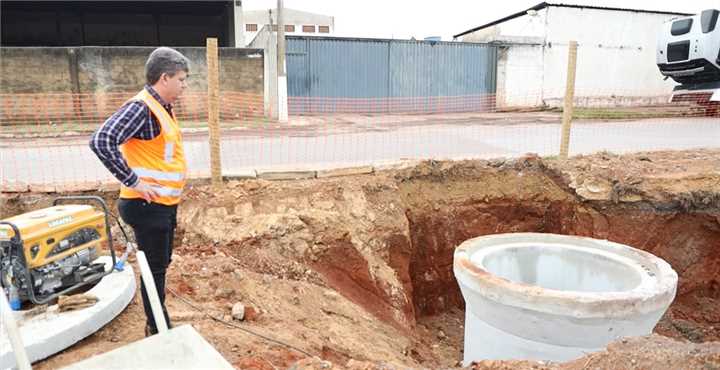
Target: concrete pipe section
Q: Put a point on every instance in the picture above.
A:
(556, 297)
(52, 331)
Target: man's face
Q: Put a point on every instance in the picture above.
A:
(175, 85)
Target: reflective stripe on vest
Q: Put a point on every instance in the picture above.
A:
(159, 161)
(169, 151)
(158, 175)
(167, 192)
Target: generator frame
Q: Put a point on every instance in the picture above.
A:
(17, 242)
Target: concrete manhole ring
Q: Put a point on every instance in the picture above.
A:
(556, 297)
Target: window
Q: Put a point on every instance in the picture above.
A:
(274, 27)
(309, 29)
(678, 51)
(681, 27)
(708, 20)
(324, 29)
(251, 27)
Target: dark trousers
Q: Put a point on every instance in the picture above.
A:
(154, 226)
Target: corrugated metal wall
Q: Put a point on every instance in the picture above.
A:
(339, 74)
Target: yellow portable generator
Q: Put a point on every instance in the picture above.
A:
(52, 251)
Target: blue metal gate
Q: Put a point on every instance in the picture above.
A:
(327, 74)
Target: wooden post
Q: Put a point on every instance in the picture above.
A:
(569, 96)
(214, 111)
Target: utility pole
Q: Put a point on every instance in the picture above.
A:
(281, 38)
(282, 77)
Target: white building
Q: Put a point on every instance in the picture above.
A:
(297, 22)
(615, 61)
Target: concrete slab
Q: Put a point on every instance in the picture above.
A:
(109, 185)
(286, 175)
(392, 165)
(347, 171)
(178, 348)
(43, 188)
(53, 331)
(15, 187)
(240, 174)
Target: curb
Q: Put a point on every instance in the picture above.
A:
(263, 174)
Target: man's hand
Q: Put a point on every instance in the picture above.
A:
(146, 191)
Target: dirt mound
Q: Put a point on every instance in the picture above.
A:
(652, 352)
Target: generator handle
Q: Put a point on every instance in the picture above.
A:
(16, 242)
(15, 238)
(101, 201)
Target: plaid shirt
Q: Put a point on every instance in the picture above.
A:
(132, 120)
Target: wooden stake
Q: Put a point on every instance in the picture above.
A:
(569, 96)
(214, 111)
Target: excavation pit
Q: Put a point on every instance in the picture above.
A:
(361, 267)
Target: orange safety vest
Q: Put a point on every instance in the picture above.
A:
(160, 161)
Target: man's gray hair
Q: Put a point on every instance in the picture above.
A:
(164, 60)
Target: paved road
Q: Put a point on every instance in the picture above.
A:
(72, 161)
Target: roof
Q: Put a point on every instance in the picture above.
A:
(291, 16)
(352, 38)
(544, 5)
(264, 12)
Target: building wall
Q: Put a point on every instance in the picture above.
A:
(520, 68)
(91, 72)
(117, 69)
(267, 41)
(616, 55)
(292, 17)
(520, 72)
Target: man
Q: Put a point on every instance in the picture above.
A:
(141, 146)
